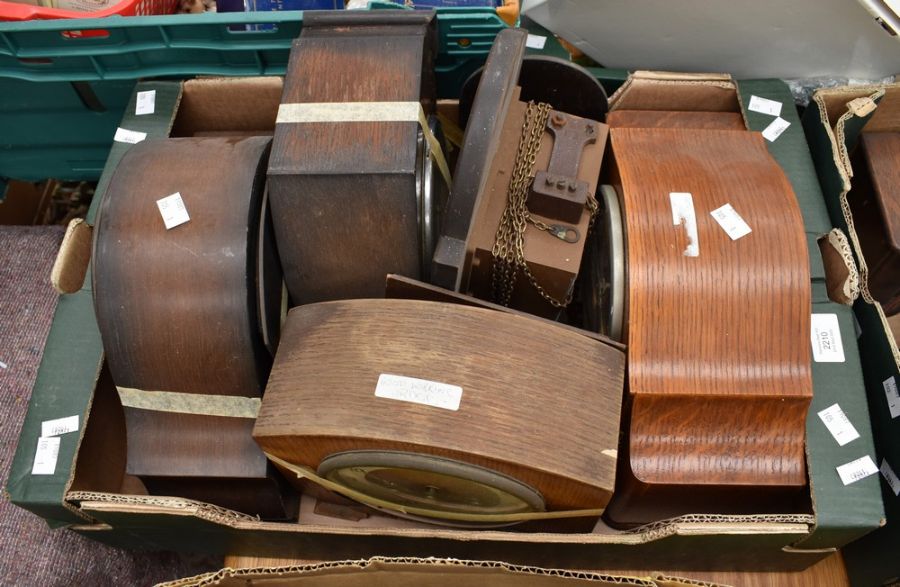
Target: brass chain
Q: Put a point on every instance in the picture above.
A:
(509, 244)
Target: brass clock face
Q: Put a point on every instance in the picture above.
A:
(435, 486)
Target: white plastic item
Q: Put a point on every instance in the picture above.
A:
(747, 38)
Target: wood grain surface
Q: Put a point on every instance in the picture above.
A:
(874, 200)
(719, 354)
(481, 141)
(539, 403)
(671, 119)
(178, 308)
(399, 287)
(169, 301)
(344, 194)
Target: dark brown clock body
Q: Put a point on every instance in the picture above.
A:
(180, 310)
(345, 194)
(566, 168)
(875, 204)
(719, 355)
(539, 403)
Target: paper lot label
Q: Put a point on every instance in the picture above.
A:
(419, 391)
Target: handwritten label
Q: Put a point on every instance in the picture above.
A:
(172, 210)
(731, 222)
(838, 424)
(45, 456)
(419, 391)
(775, 128)
(856, 470)
(827, 346)
(893, 398)
(888, 473)
(59, 426)
(123, 135)
(764, 106)
(145, 103)
(683, 212)
(535, 41)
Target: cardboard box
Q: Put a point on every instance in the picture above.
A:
(85, 494)
(413, 572)
(833, 122)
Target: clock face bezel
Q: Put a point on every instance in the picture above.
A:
(431, 489)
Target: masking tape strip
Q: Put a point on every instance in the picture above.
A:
(230, 406)
(365, 112)
(307, 473)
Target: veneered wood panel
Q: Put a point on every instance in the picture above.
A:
(719, 354)
(344, 194)
(539, 403)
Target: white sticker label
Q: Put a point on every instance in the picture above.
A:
(535, 41)
(856, 470)
(59, 426)
(838, 424)
(3, 365)
(419, 391)
(124, 135)
(774, 130)
(683, 212)
(888, 473)
(764, 106)
(893, 398)
(827, 346)
(173, 211)
(146, 103)
(45, 456)
(731, 222)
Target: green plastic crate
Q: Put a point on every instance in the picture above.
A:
(63, 126)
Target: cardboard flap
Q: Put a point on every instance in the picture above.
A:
(415, 572)
(792, 153)
(843, 113)
(843, 512)
(228, 106)
(873, 108)
(67, 275)
(690, 92)
(834, 102)
(841, 275)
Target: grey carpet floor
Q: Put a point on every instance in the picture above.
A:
(30, 552)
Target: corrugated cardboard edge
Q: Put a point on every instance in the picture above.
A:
(841, 274)
(171, 505)
(861, 101)
(438, 564)
(91, 502)
(696, 522)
